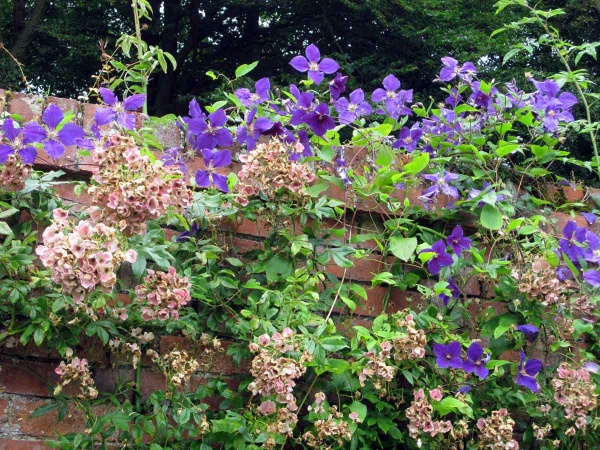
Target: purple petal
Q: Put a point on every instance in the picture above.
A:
(54, 149)
(108, 96)
(378, 95)
(11, 131)
(52, 116)
(104, 116)
(220, 182)
(567, 99)
(218, 118)
(316, 76)
(300, 63)
(262, 87)
(33, 132)
(312, 53)
(391, 83)
(592, 277)
(481, 371)
(244, 95)
(69, 133)
(533, 366)
(328, 65)
(197, 126)
(357, 96)
(134, 102)
(447, 74)
(530, 331)
(528, 382)
(221, 158)
(28, 154)
(589, 217)
(591, 366)
(126, 120)
(194, 109)
(202, 178)
(223, 138)
(5, 152)
(475, 352)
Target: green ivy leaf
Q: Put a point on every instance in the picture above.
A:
(244, 69)
(491, 217)
(403, 248)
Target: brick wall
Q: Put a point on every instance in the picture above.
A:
(27, 375)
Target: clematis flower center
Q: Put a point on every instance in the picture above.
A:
(254, 97)
(313, 66)
(352, 107)
(390, 94)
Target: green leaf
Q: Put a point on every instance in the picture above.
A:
(5, 229)
(403, 248)
(278, 269)
(333, 343)
(211, 74)
(506, 149)
(45, 409)
(491, 217)
(360, 409)
(9, 212)
(417, 164)
(452, 405)
(244, 69)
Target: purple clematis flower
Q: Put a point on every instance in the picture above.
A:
(441, 258)
(172, 157)
(316, 69)
(556, 107)
(118, 111)
(527, 372)
(213, 159)
(303, 106)
(441, 185)
(475, 362)
(448, 355)
(457, 241)
(55, 140)
(337, 86)
(572, 235)
(590, 217)
(592, 277)
(409, 138)
(211, 134)
(16, 142)
(251, 130)
(453, 289)
(530, 331)
(319, 120)
(591, 366)
(452, 70)
(465, 389)
(393, 98)
(302, 146)
(357, 107)
(249, 99)
(592, 253)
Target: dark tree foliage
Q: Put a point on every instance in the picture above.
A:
(57, 40)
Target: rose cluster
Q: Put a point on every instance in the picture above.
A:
(165, 292)
(376, 368)
(77, 370)
(275, 375)
(412, 345)
(13, 173)
(130, 189)
(574, 391)
(497, 431)
(419, 415)
(82, 257)
(269, 169)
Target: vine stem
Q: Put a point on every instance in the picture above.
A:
(567, 66)
(138, 36)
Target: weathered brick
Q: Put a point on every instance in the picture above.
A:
(28, 106)
(15, 444)
(66, 191)
(217, 362)
(169, 135)
(46, 425)
(364, 268)
(28, 378)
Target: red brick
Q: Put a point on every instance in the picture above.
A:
(4, 422)
(66, 191)
(67, 105)
(169, 135)
(45, 425)
(217, 362)
(28, 378)
(10, 444)
(29, 107)
(364, 268)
